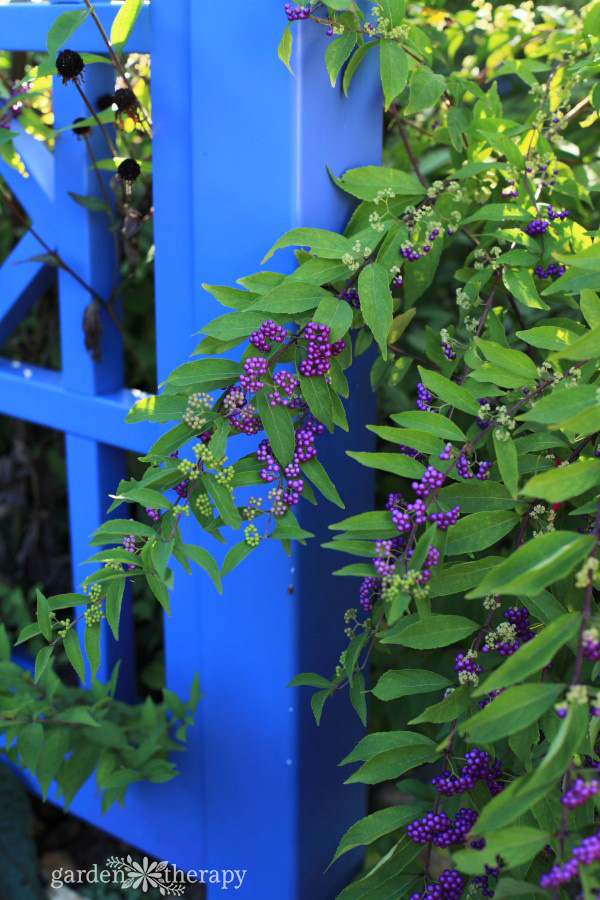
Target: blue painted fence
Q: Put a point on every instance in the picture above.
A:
(240, 156)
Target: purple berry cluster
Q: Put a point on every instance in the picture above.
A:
(254, 367)
(424, 398)
(351, 297)
(451, 886)
(591, 645)
(579, 792)
(445, 520)
(272, 470)
(552, 271)
(369, 593)
(490, 697)
(510, 190)
(286, 391)
(448, 351)
(585, 854)
(153, 514)
(556, 213)
(479, 767)
(267, 332)
(519, 619)
(295, 13)
(431, 480)
(463, 467)
(466, 663)
(319, 350)
(537, 227)
(440, 830)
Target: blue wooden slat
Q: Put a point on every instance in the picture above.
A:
(38, 395)
(21, 284)
(26, 25)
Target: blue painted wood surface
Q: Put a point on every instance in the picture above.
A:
(240, 156)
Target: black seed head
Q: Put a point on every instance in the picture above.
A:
(105, 101)
(82, 129)
(129, 170)
(125, 99)
(69, 65)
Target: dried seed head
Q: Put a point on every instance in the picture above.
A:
(81, 129)
(125, 100)
(105, 101)
(70, 66)
(129, 170)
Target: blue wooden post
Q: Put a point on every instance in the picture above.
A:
(252, 165)
(240, 154)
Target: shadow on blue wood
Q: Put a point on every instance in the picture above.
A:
(240, 156)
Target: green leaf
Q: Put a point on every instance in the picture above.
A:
(564, 482)
(479, 531)
(416, 440)
(397, 683)
(393, 10)
(289, 299)
(515, 845)
(506, 457)
(357, 696)
(235, 555)
(336, 314)
(114, 600)
(394, 70)
(585, 347)
(439, 426)
(396, 463)
(512, 887)
(375, 826)
(284, 50)
(376, 524)
(513, 361)
(317, 702)
(223, 500)
(446, 390)
(324, 243)
(393, 763)
(165, 408)
(462, 576)
(448, 709)
(56, 746)
(354, 64)
(279, 427)
(315, 391)
(561, 405)
(203, 559)
(519, 282)
(436, 631)
(205, 374)
(380, 741)
(29, 744)
(309, 679)
(123, 23)
(535, 565)
(532, 656)
(366, 182)
(73, 651)
(548, 337)
(160, 591)
(94, 204)
(43, 615)
(426, 88)
(337, 52)
(509, 712)
(62, 29)
(376, 303)
(314, 470)
(590, 307)
(93, 651)
(42, 659)
(399, 324)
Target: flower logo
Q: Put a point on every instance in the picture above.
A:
(145, 875)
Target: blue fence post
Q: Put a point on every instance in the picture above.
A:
(252, 165)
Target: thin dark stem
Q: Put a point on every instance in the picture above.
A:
(94, 114)
(407, 147)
